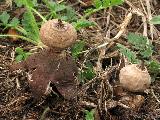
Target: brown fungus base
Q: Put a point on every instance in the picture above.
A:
(48, 67)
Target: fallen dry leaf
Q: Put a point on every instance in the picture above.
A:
(134, 102)
(12, 31)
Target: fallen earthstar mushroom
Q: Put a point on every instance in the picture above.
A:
(134, 79)
(52, 65)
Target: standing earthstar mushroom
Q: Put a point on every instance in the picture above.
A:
(52, 65)
(134, 79)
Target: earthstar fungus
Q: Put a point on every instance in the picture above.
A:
(52, 65)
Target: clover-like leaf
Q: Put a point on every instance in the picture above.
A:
(14, 22)
(4, 17)
(155, 20)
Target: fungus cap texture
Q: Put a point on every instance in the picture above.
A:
(57, 36)
(134, 79)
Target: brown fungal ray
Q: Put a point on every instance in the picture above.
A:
(133, 101)
(49, 66)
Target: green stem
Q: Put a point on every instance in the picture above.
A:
(21, 30)
(44, 113)
(93, 11)
(34, 10)
(21, 37)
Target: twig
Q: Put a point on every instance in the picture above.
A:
(139, 13)
(121, 31)
(155, 96)
(149, 16)
(143, 7)
(103, 49)
(124, 25)
(17, 83)
(88, 104)
(1, 46)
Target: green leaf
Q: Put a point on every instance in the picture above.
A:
(19, 3)
(59, 7)
(115, 2)
(30, 25)
(138, 41)
(26, 55)
(87, 73)
(155, 20)
(97, 3)
(4, 17)
(35, 2)
(53, 6)
(28, 21)
(14, 22)
(89, 115)
(69, 14)
(100, 5)
(19, 50)
(89, 10)
(107, 3)
(77, 49)
(83, 24)
(147, 52)
(29, 3)
(131, 56)
(61, 11)
(22, 55)
(154, 67)
(26, 3)
(19, 58)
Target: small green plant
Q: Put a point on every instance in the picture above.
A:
(66, 13)
(155, 20)
(60, 11)
(89, 115)
(100, 5)
(4, 18)
(141, 49)
(154, 68)
(21, 54)
(142, 44)
(77, 49)
(29, 22)
(79, 24)
(87, 73)
(29, 30)
(131, 56)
